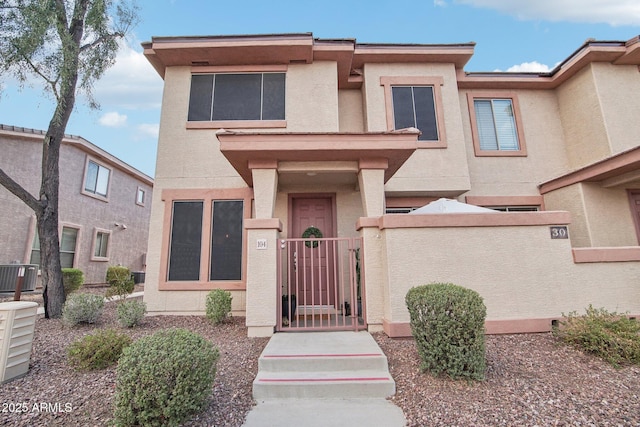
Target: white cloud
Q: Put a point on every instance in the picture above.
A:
(130, 83)
(147, 130)
(615, 13)
(529, 67)
(113, 120)
(440, 3)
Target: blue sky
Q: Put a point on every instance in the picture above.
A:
(511, 35)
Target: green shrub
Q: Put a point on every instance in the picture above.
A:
(72, 278)
(447, 322)
(131, 312)
(82, 308)
(120, 282)
(163, 378)
(218, 305)
(611, 336)
(97, 351)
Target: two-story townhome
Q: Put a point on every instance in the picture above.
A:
(288, 167)
(104, 205)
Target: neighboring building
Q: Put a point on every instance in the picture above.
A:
(104, 206)
(268, 139)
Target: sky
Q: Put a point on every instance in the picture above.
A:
(510, 35)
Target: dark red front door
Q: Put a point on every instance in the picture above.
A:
(312, 262)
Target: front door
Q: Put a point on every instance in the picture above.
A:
(634, 200)
(313, 260)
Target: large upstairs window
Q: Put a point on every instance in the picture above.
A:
(234, 97)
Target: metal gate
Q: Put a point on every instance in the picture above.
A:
(321, 284)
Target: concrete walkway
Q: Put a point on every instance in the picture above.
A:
(323, 378)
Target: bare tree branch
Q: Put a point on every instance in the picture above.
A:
(16, 189)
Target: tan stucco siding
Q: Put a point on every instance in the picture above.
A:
(543, 135)
(351, 111)
(429, 170)
(571, 199)
(519, 271)
(585, 132)
(618, 89)
(610, 220)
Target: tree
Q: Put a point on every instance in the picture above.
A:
(67, 44)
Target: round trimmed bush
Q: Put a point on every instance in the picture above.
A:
(72, 279)
(164, 378)
(130, 312)
(82, 308)
(218, 305)
(97, 351)
(447, 322)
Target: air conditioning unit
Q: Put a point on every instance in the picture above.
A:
(17, 323)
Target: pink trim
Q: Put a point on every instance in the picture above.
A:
(472, 96)
(615, 165)
(613, 254)
(498, 219)
(436, 82)
(237, 124)
(321, 380)
(219, 69)
(262, 164)
(506, 201)
(285, 356)
(263, 224)
(372, 163)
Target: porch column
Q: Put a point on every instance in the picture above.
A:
(262, 276)
(371, 181)
(265, 186)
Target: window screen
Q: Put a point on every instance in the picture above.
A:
(226, 240)
(186, 238)
(413, 106)
(496, 124)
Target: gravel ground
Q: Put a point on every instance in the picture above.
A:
(531, 380)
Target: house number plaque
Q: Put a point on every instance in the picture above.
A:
(559, 232)
(261, 244)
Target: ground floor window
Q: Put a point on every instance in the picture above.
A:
(206, 241)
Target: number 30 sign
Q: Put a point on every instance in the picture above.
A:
(559, 232)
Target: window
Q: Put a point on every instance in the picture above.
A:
(413, 106)
(515, 208)
(398, 210)
(416, 102)
(494, 126)
(68, 241)
(35, 249)
(226, 240)
(230, 97)
(140, 196)
(96, 179)
(101, 245)
(186, 238)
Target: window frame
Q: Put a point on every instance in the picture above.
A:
(238, 124)
(507, 202)
(208, 197)
(94, 243)
(144, 196)
(76, 249)
(475, 135)
(95, 195)
(388, 82)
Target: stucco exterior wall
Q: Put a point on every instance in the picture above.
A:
(618, 88)
(585, 131)
(438, 171)
(609, 216)
(351, 111)
(546, 155)
(21, 159)
(519, 271)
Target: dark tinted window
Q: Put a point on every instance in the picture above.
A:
(226, 240)
(413, 106)
(186, 238)
(200, 97)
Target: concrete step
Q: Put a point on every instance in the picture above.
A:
(323, 365)
(323, 384)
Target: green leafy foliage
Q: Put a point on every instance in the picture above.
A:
(72, 278)
(131, 312)
(218, 305)
(120, 282)
(447, 322)
(82, 308)
(163, 378)
(609, 335)
(97, 351)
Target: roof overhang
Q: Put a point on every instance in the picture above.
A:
(391, 149)
(618, 169)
